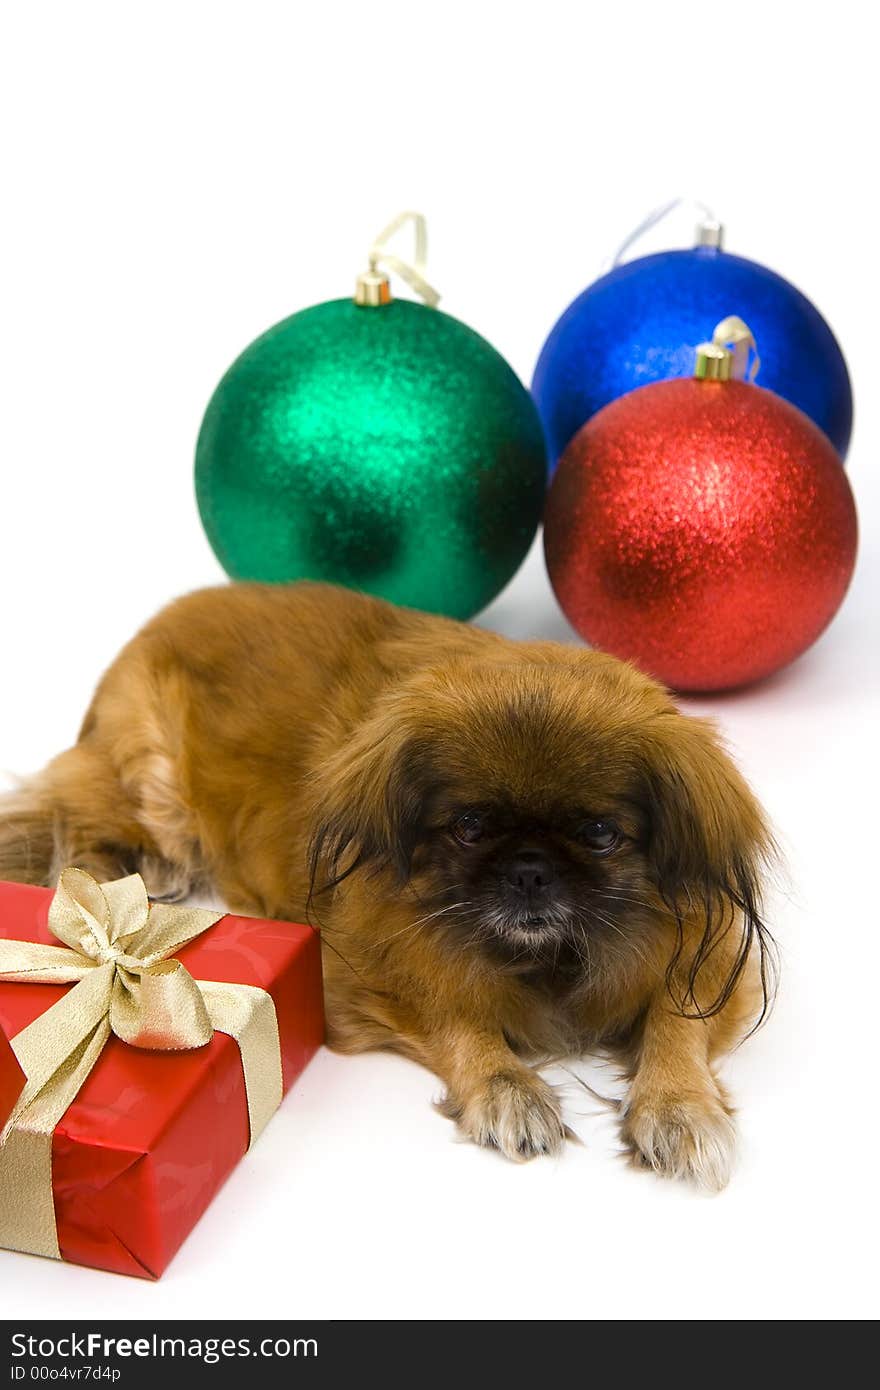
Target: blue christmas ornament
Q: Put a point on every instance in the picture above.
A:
(643, 321)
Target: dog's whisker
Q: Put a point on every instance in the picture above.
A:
(621, 897)
(420, 922)
(586, 961)
(592, 913)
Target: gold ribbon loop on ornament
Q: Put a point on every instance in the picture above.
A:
(412, 272)
(117, 956)
(735, 335)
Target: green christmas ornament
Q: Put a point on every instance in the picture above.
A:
(375, 443)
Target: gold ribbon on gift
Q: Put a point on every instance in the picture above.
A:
(117, 952)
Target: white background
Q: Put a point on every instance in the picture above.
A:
(180, 176)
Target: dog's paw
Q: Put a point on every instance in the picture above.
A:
(682, 1137)
(516, 1113)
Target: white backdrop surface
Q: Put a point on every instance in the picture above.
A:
(179, 177)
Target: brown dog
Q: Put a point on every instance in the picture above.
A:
(514, 850)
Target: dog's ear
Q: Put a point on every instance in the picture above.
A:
(709, 847)
(369, 804)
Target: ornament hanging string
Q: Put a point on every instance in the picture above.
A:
(412, 272)
(657, 215)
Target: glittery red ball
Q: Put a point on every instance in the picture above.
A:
(705, 531)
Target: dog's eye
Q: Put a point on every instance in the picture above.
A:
(601, 836)
(468, 828)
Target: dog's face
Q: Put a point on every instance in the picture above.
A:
(548, 809)
(535, 835)
(536, 871)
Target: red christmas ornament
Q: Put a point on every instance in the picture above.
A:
(702, 529)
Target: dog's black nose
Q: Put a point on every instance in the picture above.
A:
(530, 871)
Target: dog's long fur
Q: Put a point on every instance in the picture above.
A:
(307, 751)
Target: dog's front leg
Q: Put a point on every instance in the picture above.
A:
(495, 1099)
(676, 1119)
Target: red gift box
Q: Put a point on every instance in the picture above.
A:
(151, 1136)
(11, 1079)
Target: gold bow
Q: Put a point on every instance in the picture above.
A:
(116, 953)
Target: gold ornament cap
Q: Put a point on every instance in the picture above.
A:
(372, 289)
(709, 232)
(731, 355)
(713, 363)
